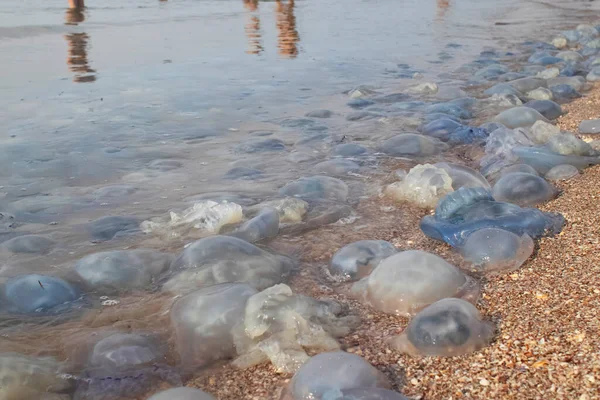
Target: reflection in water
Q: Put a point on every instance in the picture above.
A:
(442, 8)
(253, 29)
(287, 34)
(286, 27)
(77, 59)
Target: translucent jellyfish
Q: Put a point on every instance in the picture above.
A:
(549, 109)
(207, 215)
(319, 114)
(463, 176)
(496, 250)
(505, 100)
(560, 42)
(359, 103)
(498, 149)
(356, 260)
(528, 169)
(107, 228)
(523, 189)
(543, 160)
(406, 282)
(467, 210)
(576, 82)
(562, 172)
(424, 88)
(37, 294)
(29, 244)
(450, 109)
(543, 58)
(279, 326)
(28, 378)
(261, 146)
(264, 225)
(123, 364)
(290, 209)
(541, 132)
(548, 73)
(122, 270)
(204, 321)
(182, 393)
(593, 75)
(528, 84)
(440, 128)
(540, 94)
(326, 374)
(243, 173)
(589, 126)
(223, 259)
(366, 394)
(569, 144)
(449, 327)
(349, 150)
(424, 185)
(519, 117)
(362, 115)
(569, 55)
(502, 88)
(412, 145)
(317, 187)
(337, 167)
(491, 71)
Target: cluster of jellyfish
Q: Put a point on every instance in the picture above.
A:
(230, 300)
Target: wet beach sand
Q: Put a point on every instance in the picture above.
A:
(547, 314)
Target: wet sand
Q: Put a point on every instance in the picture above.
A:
(547, 313)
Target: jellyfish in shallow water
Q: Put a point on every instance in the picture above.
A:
(317, 187)
(263, 226)
(492, 250)
(469, 209)
(327, 374)
(424, 185)
(412, 145)
(28, 378)
(449, 327)
(523, 189)
(123, 364)
(182, 393)
(357, 260)
(410, 280)
(224, 259)
(37, 295)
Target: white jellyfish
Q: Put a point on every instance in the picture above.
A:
(424, 186)
(449, 327)
(494, 250)
(410, 280)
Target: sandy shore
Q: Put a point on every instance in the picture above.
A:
(547, 313)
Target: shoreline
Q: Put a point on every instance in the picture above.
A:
(546, 313)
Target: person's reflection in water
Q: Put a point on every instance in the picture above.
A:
(253, 28)
(286, 26)
(77, 58)
(442, 8)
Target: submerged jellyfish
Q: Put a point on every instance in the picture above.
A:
(440, 128)
(358, 259)
(496, 250)
(290, 209)
(30, 244)
(223, 259)
(279, 326)
(406, 282)
(326, 374)
(204, 321)
(37, 294)
(523, 189)
(412, 145)
(424, 185)
(317, 187)
(449, 327)
(265, 225)
(123, 364)
(107, 228)
(467, 210)
(337, 167)
(182, 393)
(28, 378)
(122, 269)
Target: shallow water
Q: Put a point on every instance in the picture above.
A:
(136, 108)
